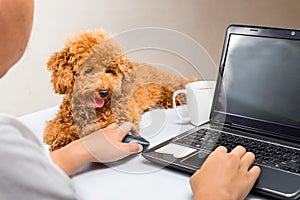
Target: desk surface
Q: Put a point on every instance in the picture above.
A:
(134, 177)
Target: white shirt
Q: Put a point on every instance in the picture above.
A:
(26, 171)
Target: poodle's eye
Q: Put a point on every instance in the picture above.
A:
(109, 71)
(89, 70)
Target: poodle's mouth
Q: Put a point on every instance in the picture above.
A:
(99, 103)
(99, 99)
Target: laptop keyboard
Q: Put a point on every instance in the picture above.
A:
(266, 154)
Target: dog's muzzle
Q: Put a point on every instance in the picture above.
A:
(99, 102)
(103, 93)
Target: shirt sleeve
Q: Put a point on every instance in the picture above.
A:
(25, 171)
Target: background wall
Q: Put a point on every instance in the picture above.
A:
(26, 88)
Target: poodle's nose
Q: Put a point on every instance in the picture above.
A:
(103, 92)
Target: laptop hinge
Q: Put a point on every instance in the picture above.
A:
(261, 133)
(238, 127)
(234, 126)
(219, 125)
(249, 129)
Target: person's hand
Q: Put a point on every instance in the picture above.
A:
(106, 144)
(225, 176)
(102, 146)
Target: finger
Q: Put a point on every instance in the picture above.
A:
(247, 160)
(112, 126)
(128, 149)
(239, 151)
(254, 173)
(127, 127)
(134, 130)
(221, 149)
(132, 147)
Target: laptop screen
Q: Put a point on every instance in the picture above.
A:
(260, 84)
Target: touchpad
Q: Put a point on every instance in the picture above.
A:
(176, 150)
(196, 160)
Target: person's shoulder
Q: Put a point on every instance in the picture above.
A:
(26, 168)
(7, 120)
(11, 127)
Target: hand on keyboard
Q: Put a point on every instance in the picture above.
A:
(225, 175)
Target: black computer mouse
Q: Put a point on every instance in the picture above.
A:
(138, 139)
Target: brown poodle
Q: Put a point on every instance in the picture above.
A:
(101, 86)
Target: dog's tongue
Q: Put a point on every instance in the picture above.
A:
(99, 102)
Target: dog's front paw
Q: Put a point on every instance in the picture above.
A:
(63, 140)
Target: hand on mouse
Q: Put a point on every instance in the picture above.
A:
(103, 146)
(225, 176)
(106, 144)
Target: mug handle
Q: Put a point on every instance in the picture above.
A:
(175, 107)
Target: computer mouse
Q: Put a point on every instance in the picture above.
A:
(138, 139)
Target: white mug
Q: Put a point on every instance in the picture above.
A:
(199, 96)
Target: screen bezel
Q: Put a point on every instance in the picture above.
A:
(263, 127)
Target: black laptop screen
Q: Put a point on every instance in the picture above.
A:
(261, 82)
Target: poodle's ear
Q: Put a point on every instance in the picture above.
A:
(111, 56)
(122, 65)
(62, 76)
(65, 64)
(125, 67)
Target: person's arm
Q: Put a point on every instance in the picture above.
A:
(102, 146)
(71, 157)
(225, 176)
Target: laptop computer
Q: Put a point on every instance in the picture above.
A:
(256, 104)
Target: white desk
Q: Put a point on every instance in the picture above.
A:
(133, 178)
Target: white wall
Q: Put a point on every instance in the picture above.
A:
(27, 88)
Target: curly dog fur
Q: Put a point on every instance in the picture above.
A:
(101, 86)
